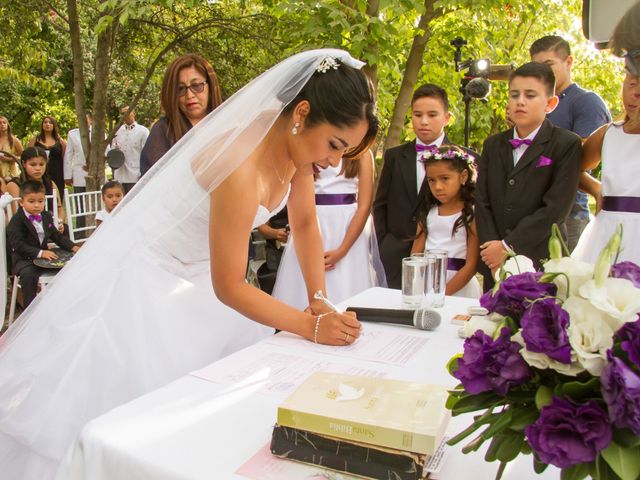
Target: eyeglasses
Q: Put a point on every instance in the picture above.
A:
(631, 62)
(194, 87)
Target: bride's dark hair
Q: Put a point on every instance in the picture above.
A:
(342, 97)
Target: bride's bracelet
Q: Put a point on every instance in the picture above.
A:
(315, 332)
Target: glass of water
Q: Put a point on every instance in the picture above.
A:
(436, 277)
(414, 270)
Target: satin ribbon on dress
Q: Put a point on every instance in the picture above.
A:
(335, 198)
(621, 204)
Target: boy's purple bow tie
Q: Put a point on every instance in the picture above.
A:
(35, 218)
(426, 148)
(517, 142)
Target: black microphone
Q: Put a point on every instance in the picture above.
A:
(478, 88)
(422, 318)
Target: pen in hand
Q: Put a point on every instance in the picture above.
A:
(320, 296)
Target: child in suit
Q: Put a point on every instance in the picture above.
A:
(29, 232)
(401, 188)
(528, 175)
(112, 195)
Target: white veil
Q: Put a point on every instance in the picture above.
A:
(201, 160)
(57, 343)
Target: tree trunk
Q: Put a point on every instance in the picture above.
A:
(373, 9)
(79, 93)
(413, 66)
(96, 159)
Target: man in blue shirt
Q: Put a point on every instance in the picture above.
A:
(579, 110)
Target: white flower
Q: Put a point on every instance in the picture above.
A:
(617, 297)
(578, 272)
(327, 63)
(515, 265)
(486, 323)
(542, 361)
(590, 334)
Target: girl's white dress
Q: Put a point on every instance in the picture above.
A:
(621, 183)
(358, 270)
(439, 230)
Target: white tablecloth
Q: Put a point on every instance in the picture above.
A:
(198, 429)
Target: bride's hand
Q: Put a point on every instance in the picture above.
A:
(336, 328)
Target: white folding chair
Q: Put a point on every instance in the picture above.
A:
(9, 205)
(82, 205)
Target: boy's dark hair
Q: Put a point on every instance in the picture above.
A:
(551, 42)
(541, 71)
(111, 184)
(467, 191)
(32, 186)
(433, 91)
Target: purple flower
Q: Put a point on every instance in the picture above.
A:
(568, 433)
(628, 270)
(629, 337)
(621, 390)
(544, 330)
(515, 293)
(488, 365)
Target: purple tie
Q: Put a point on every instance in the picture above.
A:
(517, 142)
(426, 148)
(35, 218)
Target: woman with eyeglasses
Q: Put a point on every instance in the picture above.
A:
(617, 146)
(189, 92)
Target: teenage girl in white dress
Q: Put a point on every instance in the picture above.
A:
(447, 217)
(160, 289)
(618, 196)
(343, 203)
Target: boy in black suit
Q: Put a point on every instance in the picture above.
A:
(528, 175)
(401, 187)
(29, 232)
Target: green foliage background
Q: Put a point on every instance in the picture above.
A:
(243, 38)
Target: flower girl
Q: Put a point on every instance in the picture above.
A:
(446, 219)
(343, 202)
(618, 196)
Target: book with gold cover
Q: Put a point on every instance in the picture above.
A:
(406, 416)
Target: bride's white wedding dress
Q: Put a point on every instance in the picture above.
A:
(135, 308)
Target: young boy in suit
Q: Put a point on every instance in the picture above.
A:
(401, 186)
(29, 232)
(528, 175)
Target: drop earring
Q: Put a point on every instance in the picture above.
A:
(294, 130)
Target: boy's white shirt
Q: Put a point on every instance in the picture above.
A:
(518, 152)
(420, 170)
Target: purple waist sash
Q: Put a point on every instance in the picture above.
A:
(335, 198)
(621, 204)
(455, 264)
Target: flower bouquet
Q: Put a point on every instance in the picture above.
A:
(556, 370)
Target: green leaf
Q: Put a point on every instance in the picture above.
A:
(625, 437)
(510, 448)
(576, 472)
(625, 462)
(478, 422)
(499, 425)
(492, 450)
(539, 466)
(603, 471)
(543, 396)
(578, 390)
(473, 403)
(452, 364)
(523, 417)
(473, 445)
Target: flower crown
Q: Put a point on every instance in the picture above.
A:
(450, 154)
(326, 64)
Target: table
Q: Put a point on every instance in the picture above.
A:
(198, 429)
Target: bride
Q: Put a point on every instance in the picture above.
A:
(160, 289)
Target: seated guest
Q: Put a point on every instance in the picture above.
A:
(528, 175)
(112, 194)
(29, 233)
